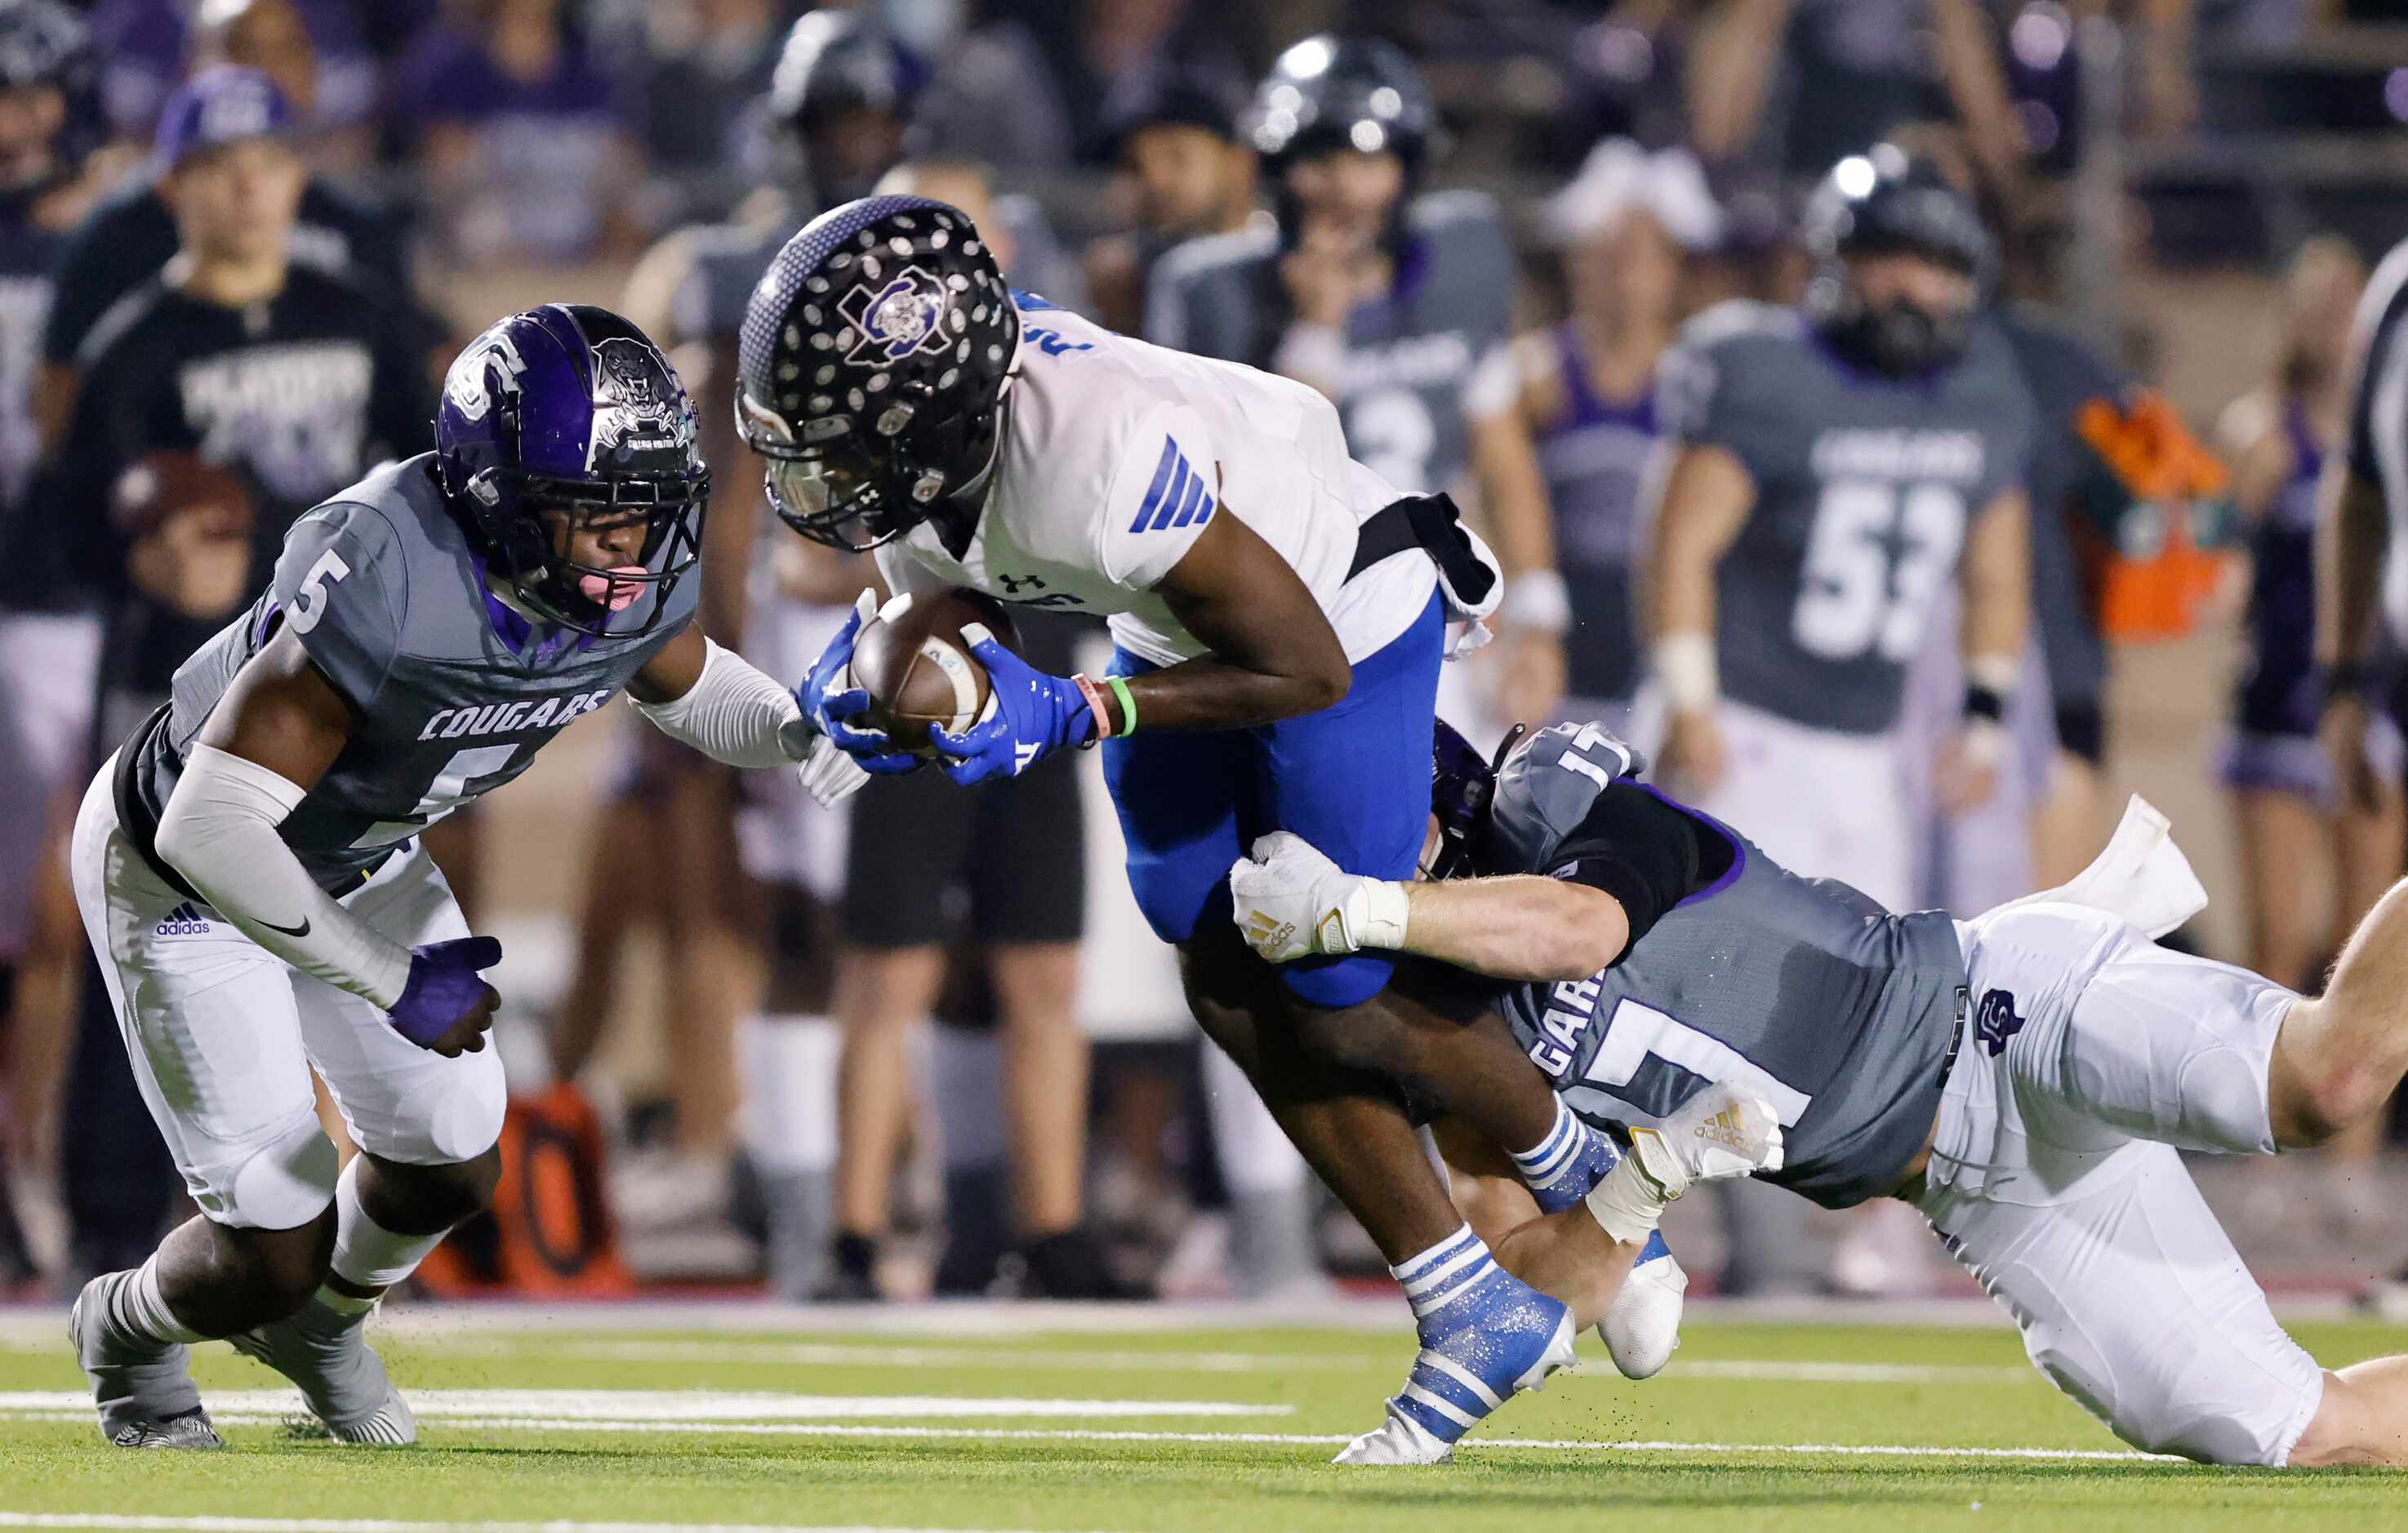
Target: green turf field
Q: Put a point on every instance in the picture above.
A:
(1754, 1426)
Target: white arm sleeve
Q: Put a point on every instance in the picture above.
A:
(219, 831)
(733, 713)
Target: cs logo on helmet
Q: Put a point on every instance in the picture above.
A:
(492, 363)
(894, 320)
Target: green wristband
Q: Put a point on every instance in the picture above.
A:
(1128, 705)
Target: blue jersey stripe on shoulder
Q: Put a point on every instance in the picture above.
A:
(1188, 502)
(1180, 480)
(1206, 514)
(1161, 482)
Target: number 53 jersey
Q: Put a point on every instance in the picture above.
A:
(1864, 485)
(453, 692)
(1839, 1013)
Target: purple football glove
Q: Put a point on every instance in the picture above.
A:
(828, 699)
(444, 986)
(1033, 716)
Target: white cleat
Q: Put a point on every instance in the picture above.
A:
(1400, 1439)
(1641, 1328)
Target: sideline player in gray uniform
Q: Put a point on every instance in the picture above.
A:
(2028, 1080)
(1835, 461)
(254, 882)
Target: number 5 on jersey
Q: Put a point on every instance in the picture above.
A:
(310, 602)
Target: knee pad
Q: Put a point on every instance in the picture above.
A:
(285, 1185)
(452, 1116)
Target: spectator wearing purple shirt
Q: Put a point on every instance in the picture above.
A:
(522, 151)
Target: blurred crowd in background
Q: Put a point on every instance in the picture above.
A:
(238, 239)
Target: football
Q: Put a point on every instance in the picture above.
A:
(917, 668)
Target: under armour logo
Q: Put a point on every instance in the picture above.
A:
(1997, 1021)
(1023, 752)
(1012, 584)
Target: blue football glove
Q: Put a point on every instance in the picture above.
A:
(443, 988)
(1032, 716)
(829, 700)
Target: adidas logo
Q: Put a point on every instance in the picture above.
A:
(1727, 1129)
(183, 921)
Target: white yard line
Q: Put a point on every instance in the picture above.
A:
(910, 1358)
(1241, 1440)
(1787, 1371)
(618, 1407)
(839, 1355)
(144, 1524)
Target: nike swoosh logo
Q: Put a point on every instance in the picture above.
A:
(301, 930)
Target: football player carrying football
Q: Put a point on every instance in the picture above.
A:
(255, 881)
(2028, 1080)
(1280, 613)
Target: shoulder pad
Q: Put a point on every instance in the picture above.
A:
(1544, 790)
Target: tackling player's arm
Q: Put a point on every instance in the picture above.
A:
(1634, 858)
(1707, 496)
(713, 699)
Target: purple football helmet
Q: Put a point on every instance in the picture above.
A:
(1462, 784)
(568, 409)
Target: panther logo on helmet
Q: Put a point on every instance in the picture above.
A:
(894, 320)
(635, 410)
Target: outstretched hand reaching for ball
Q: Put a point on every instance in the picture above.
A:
(1029, 716)
(832, 703)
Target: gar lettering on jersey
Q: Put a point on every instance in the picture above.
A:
(1421, 361)
(1864, 486)
(453, 692)
(1835, 1011)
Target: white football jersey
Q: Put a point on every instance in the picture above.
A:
(1117, 454)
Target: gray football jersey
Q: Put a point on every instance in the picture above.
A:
(1836, 1011)
(1864, 485)
(455, 692)
(1412, 358)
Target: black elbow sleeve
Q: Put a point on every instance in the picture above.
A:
(1639, 849)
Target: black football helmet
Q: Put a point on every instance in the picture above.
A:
(873, 365)
(1331, 93)
(837, 62)
(1881, 202)
(43, 44)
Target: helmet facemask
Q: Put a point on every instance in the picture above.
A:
(533, 519)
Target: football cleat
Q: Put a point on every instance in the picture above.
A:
(146, 1394)
(327, 1358)
(1642, 1327)
(1485, 1336)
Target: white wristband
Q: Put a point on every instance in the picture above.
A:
(1536, 600)
(1685, 667)
(1375, 913)
(1627, 1203)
